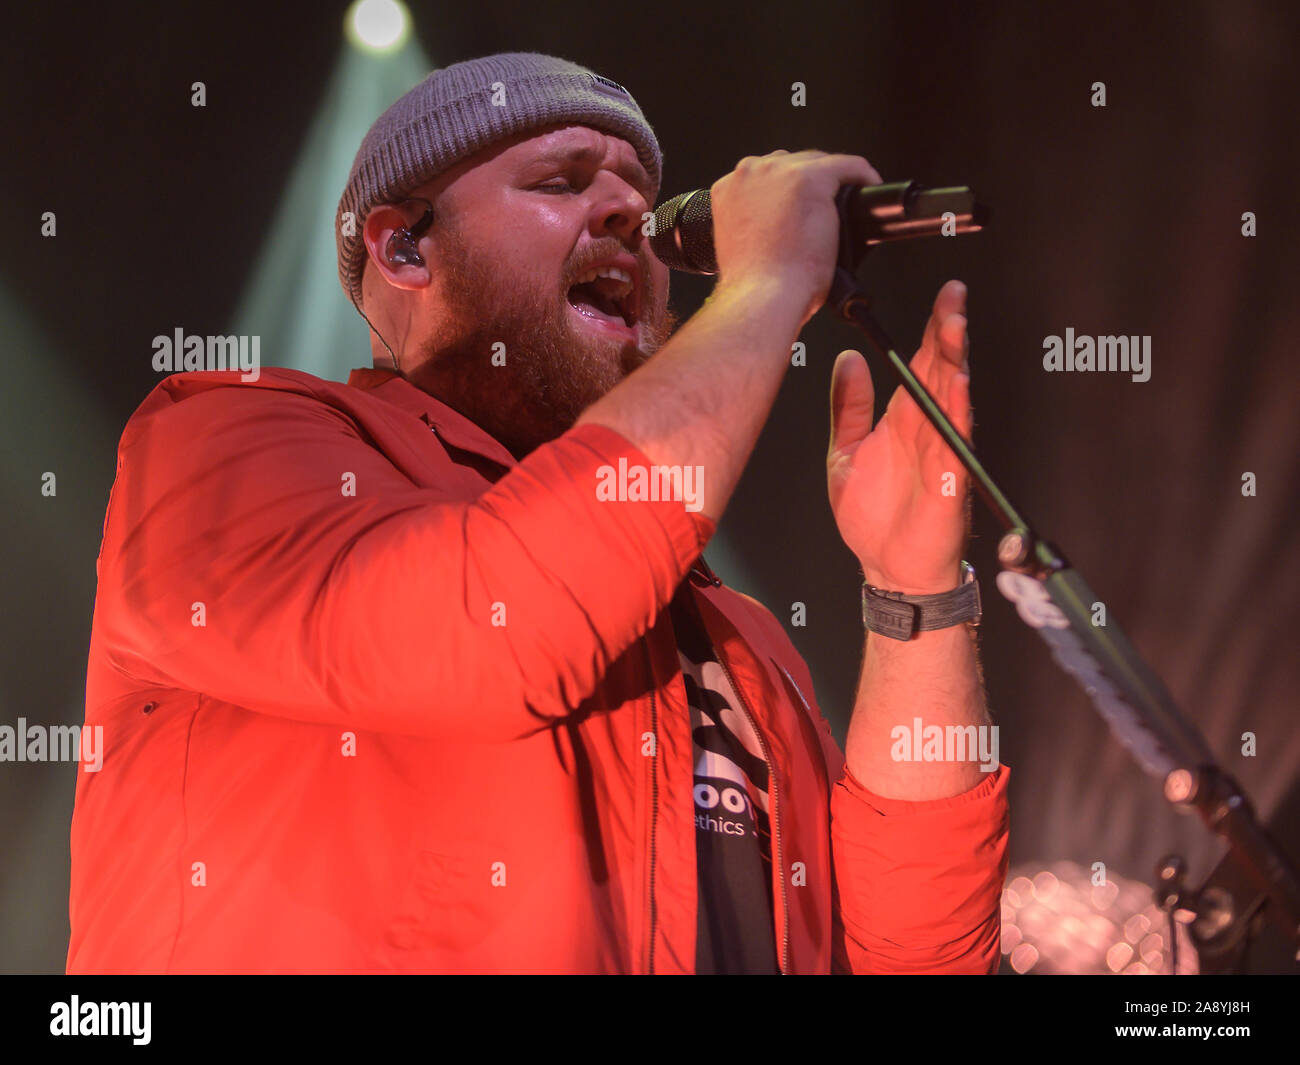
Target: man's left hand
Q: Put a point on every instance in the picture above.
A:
(898, 493)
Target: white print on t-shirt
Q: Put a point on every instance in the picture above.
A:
(726, 791)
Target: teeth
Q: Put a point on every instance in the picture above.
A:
(613, 272)
(619, 293)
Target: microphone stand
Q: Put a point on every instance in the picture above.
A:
(1255, 881)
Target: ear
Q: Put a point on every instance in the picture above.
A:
(381, 223)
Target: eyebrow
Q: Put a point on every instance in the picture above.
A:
(634, 175)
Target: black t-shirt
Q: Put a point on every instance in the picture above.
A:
(733, 842)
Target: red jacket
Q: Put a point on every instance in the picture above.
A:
(326, 752)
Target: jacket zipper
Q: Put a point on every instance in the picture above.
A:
(654, 805)
(776, 810)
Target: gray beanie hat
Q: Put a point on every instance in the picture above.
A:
(460, 109)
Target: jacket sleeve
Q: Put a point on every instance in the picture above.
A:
(917, 886)
(237, 563)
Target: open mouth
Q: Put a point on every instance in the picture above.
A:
(605, 294)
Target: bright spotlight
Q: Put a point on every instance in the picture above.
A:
(378, 25)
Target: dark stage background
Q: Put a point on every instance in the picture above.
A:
(1125, 219)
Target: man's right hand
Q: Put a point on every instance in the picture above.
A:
(702, 399)
(775, 226)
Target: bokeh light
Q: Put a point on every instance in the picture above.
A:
(1055, 920)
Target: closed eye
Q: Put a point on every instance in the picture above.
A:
(556, 186)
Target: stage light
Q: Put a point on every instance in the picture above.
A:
(378, 25)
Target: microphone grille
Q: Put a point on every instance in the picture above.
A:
(683, 233)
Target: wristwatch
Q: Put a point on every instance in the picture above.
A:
(901, 617)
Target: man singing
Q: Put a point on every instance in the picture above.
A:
(426, 673)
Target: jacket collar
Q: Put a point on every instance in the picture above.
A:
(452, 426)
(458, 431)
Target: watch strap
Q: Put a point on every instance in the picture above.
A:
(900, 617)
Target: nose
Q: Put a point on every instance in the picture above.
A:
(619, 211)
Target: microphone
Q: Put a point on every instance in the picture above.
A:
(682, 236)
